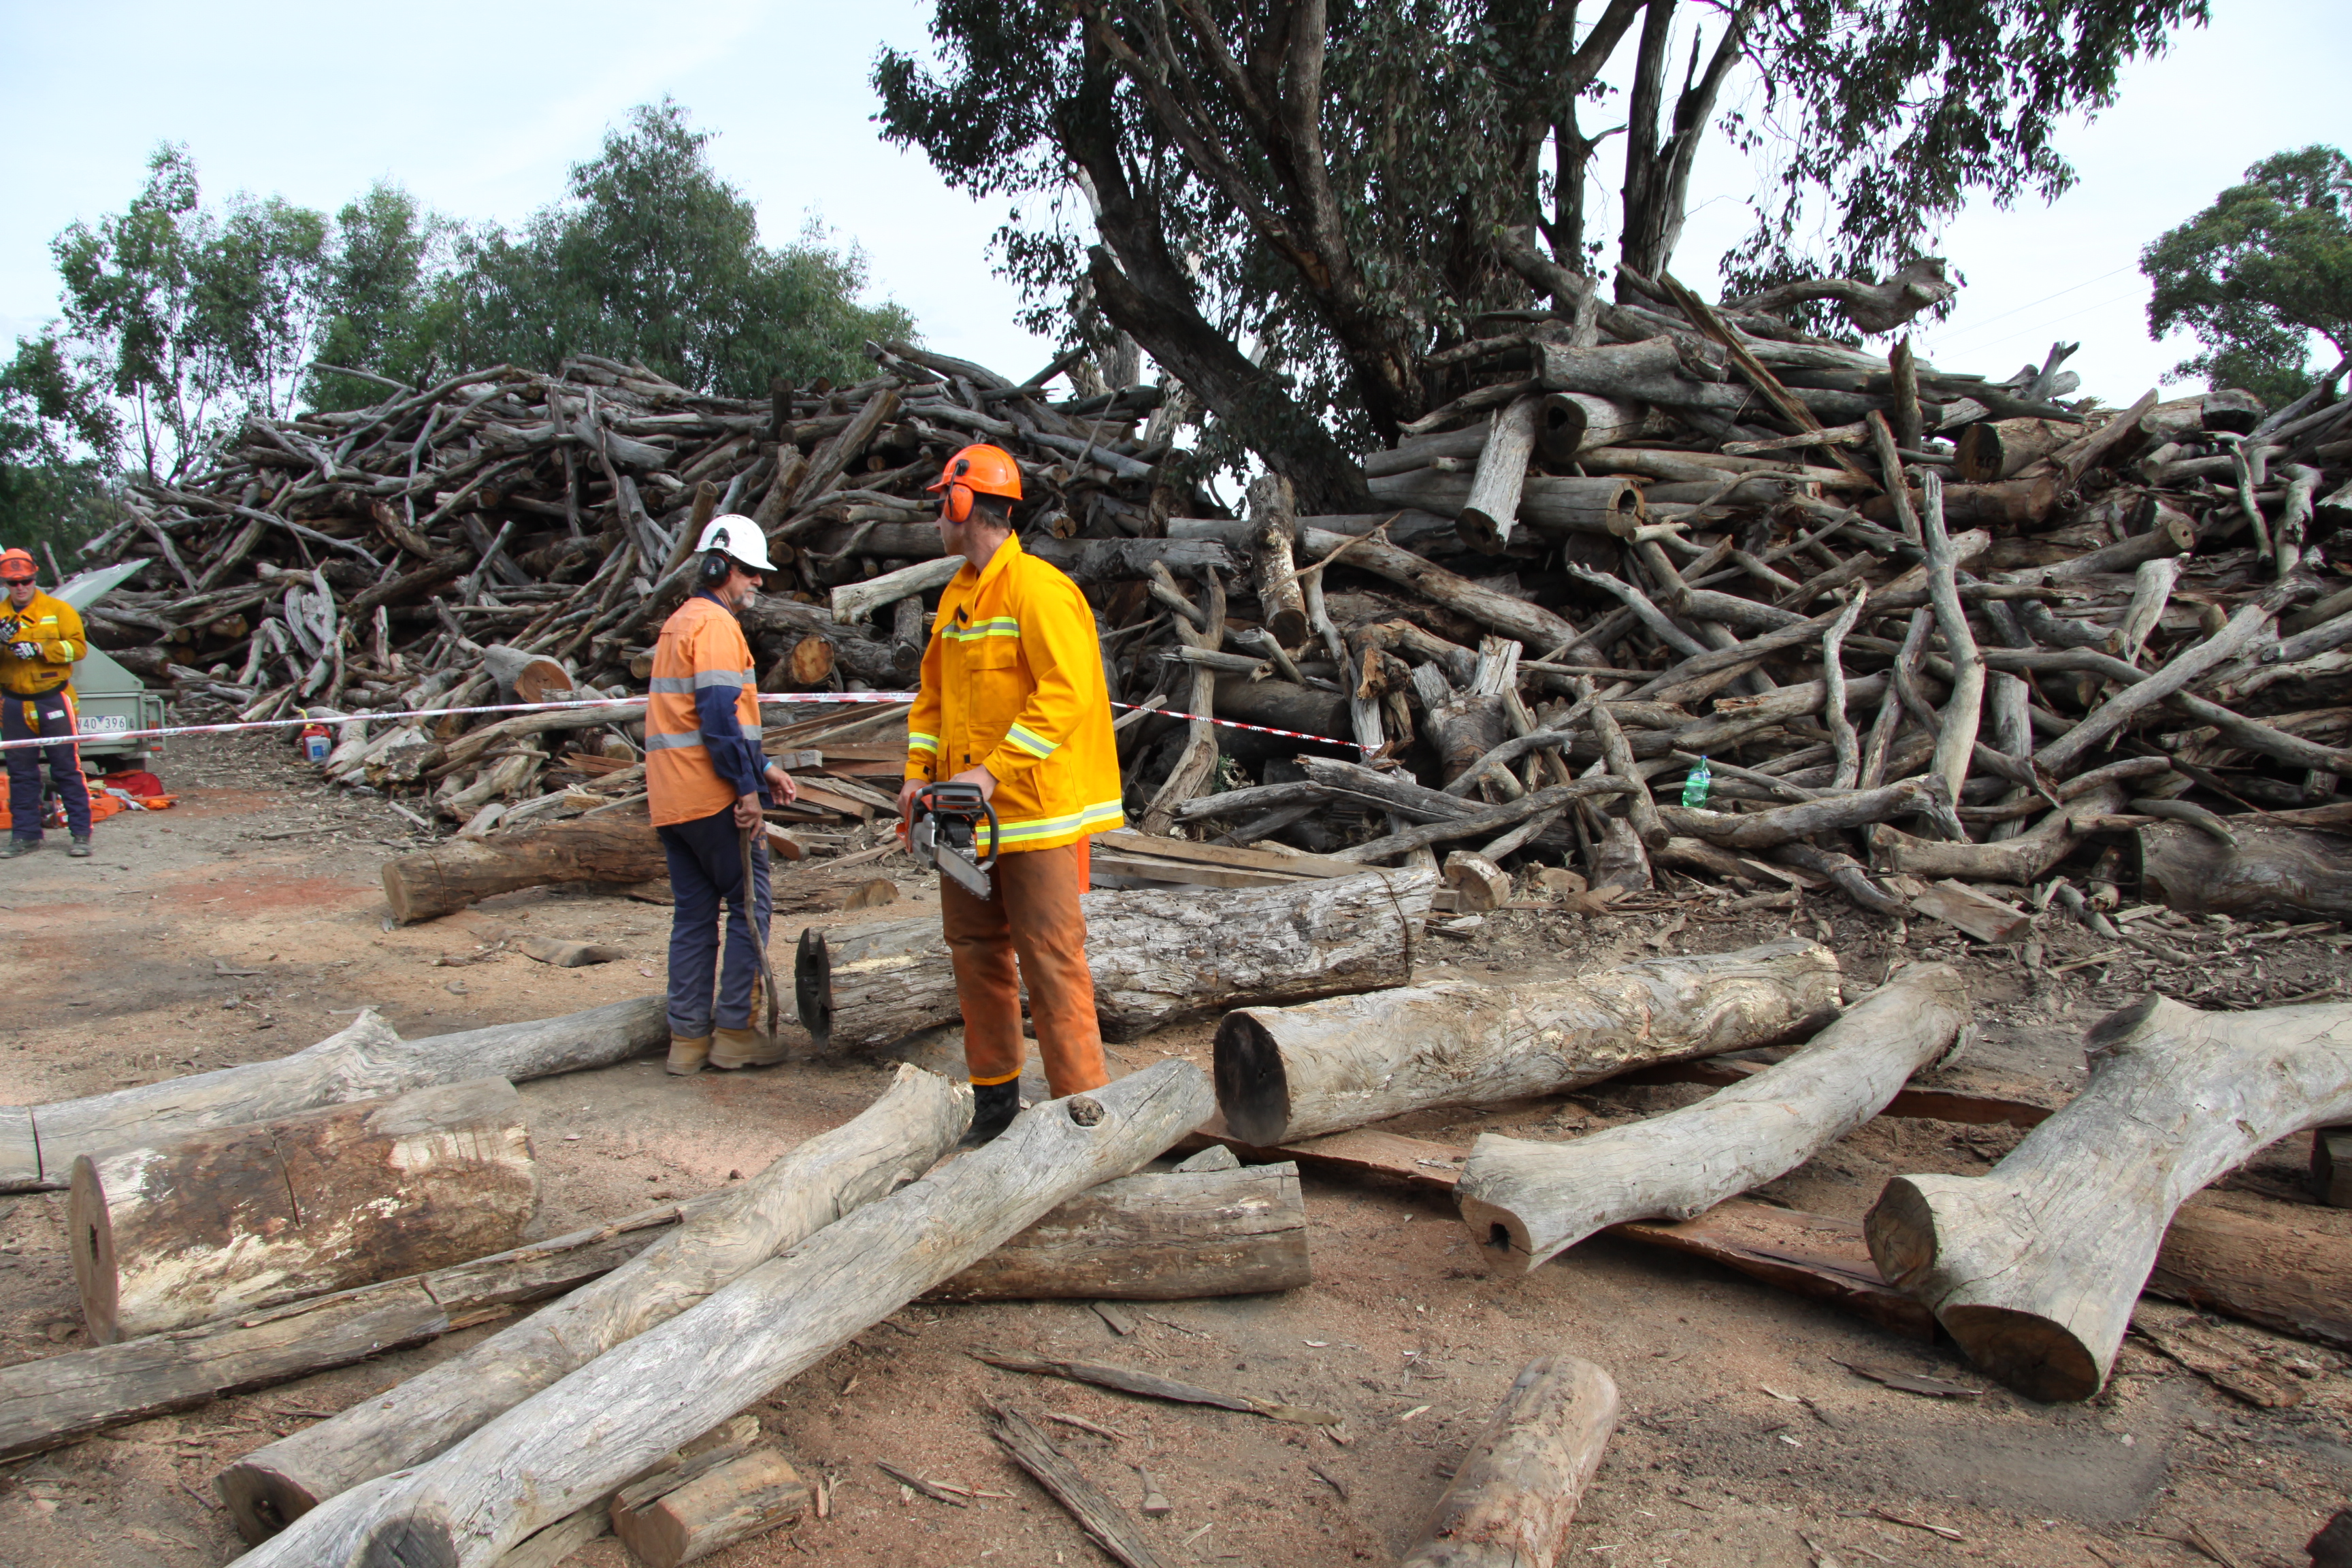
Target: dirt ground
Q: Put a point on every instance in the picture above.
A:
(248, 923)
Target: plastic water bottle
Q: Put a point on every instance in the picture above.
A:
(1695, 784)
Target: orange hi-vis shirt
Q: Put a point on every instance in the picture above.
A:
(1013, 680)
(701, 648)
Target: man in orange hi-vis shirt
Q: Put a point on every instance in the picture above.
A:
(706, 779)
(1013, 701)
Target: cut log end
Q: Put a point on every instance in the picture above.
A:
(1252, 1088)
(1901, 1230)
(96, 1274)
(2025, 1351)
(421, 1539)
(262, 1501)
(1498, 1227)
(813, 987)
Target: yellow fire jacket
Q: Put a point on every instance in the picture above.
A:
(1012, 681)
(54, 628)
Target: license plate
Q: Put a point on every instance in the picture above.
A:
(104, 724)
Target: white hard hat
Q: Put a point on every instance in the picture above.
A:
(738, 538)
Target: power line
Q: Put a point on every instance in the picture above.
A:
(1973, 328)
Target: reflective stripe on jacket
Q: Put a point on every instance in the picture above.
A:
(703, 685)
(56, 627)
(1013, 680)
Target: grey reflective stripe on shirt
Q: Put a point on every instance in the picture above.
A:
(673, 742)
(672, 684)
(737, 679)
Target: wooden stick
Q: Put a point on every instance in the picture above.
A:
(1956, 738)
(1105, 1523)
(1514, 1495)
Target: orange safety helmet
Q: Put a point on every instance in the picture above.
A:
(977, 470)
(17, 566)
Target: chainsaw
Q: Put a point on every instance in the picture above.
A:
(944, 834)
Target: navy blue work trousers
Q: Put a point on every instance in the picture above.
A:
(706, 869)
(23, 719)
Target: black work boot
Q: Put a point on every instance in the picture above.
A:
(994, 1105)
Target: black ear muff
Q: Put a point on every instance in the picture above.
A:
(715, 567)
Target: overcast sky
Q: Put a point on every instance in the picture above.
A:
(479, 108)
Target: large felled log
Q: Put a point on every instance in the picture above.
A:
(2275, 1269)
(448, 877)
(579, 1440)
(897, 1137)
(1285, 1073)
(57, 1400)
(524, 677)
(1543, 1199)
(229, 1220)
(1155, 1237)
(2033, 1266)
(38, 1145)
(1573, 423)
(1603, 506)
(1514, 1495)
(1156, 956)
(2270, 873)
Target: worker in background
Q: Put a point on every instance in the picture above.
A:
(41, 640)
(1013, 701)
(706, 780)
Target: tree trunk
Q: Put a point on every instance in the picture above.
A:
(362, 1061)
(2021, 860)
(524, 677)
(2271, 873)
(1293, 1072)
(1546, 1197)
(1512, 1500)
(900, 1135)
(854, 602)
(451, 876)
(46, 1402)
(2034, 1267)
(1492, 510)
(238, 1218)
(1155, 1237)
(1608, 506)
(1282, 606)
(1530, 624)
(578, 1440)
(2283, 1273)
(1574, 422)
(1156, 957)
(1994, 449)
(748, 1495)
(1280, 705)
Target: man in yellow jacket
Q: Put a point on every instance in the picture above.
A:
(41, 640)
(1013, 701)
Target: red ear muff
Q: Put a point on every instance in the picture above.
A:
(959, 503)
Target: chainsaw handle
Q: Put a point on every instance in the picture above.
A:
(995, 832)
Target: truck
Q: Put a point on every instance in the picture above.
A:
(109, 700)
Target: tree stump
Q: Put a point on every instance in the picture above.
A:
(223, 1222)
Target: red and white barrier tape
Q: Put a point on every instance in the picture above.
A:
(300, 720)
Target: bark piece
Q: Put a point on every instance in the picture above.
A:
(1543, 1199)
(451, 876)
(1151, 1386)
(1103, 1520)
(2271, 873)
(588, 1434)
(897, 1138)
(1155, 1237)
(1512, 1500)
(230, 1220)
(1156, 956)
(743, 1496)
(362, 1061)
(1285, 1073)
(1962, 908)
(2033, 1266)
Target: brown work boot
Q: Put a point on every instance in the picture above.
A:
(732, 1049)
(688, 1056)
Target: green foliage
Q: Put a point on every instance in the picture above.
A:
(656, 260)
(1885, 116)
(2260, 272)
(180, 318)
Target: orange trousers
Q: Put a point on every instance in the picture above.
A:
(1036, 917)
